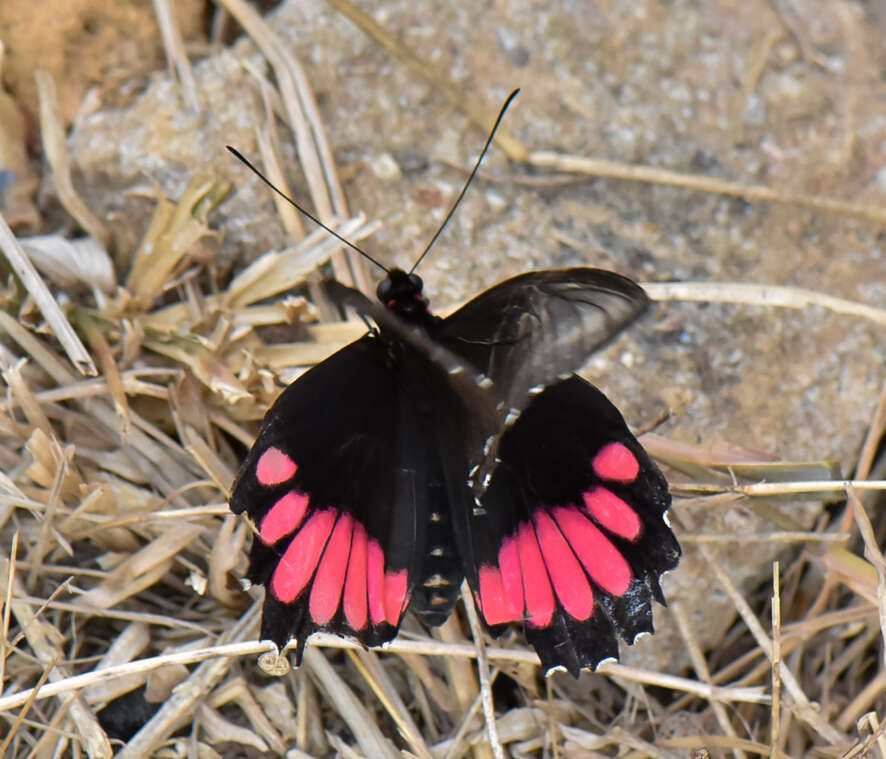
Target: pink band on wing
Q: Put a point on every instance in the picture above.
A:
(395, 596)
(375, 582)
(284, 517)
(297, 565)
(613, 513)
(329, 581)
(355, 601)
(493, 604)
(616, 462)
(602, 560)
(511, 576)
(536, 586)
(568, 578)
(274, 467)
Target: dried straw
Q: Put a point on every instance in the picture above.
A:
(121, 559)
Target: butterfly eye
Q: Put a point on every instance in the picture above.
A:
(383, 291)
(416, 282)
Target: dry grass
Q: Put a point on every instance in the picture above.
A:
(119, 557)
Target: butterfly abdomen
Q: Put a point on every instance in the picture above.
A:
(438, 590)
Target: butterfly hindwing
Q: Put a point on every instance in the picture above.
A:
(337, 486)
(570, 537)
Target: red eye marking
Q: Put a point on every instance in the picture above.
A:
(613, 513)
(605, 565)
(284, 517)
(274, 467)
(616, 462)
(329, 582)
(297, 565)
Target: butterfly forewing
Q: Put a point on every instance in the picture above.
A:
(533, 329)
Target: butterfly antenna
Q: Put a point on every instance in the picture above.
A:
(269, 183)
(470, 179)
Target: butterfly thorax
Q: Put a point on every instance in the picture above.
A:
(401, 292)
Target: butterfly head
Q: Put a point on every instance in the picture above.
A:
(401, 292)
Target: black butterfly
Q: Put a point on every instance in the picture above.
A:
(433, 450)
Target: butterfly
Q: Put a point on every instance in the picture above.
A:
(433, 450)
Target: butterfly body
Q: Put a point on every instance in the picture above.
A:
(433, 450)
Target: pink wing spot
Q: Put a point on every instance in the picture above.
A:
(284, 517)
(536, 585)
(274, 467)
(613, 513)
(355, 605)
(297, 565)
(330, 579)
(375, 582)
(493, 603)
(570, 582)
(605, 565)
(615, 462)
(511, 578)
(395, 596)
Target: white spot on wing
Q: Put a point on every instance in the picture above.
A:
(485, 381)
(457, 369)
(604, 661)
(640, 635)
(536, 389)
(435, 516)
(513, 416)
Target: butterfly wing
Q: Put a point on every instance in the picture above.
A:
(533, 329)
(527, 331)
(571, 538)
(337, 487)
